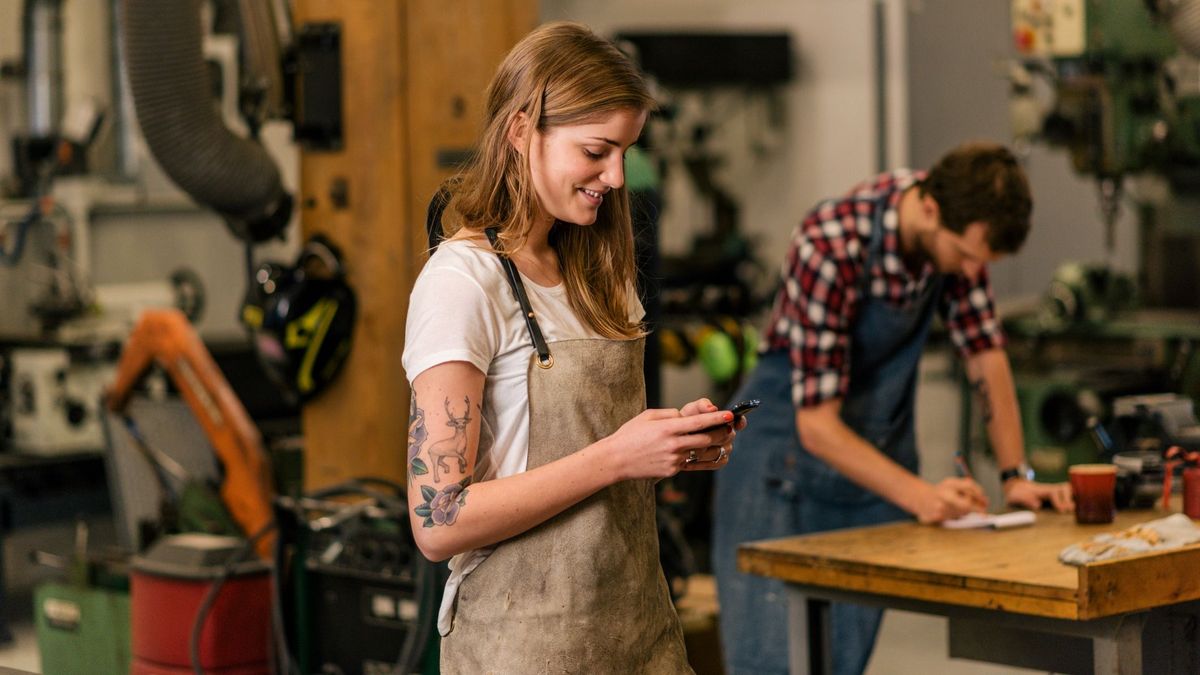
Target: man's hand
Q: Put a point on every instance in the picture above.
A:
(951, 498)
(1031, 495)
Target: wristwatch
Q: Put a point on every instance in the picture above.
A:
(1022, 470)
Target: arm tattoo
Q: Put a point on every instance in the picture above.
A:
(455, 446)
(441, 506)
(985, 402)
(417, 433)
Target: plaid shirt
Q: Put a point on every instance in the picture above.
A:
(818, 299)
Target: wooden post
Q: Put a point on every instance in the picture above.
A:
(413, 75)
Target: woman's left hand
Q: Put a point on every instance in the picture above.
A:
(715, 456)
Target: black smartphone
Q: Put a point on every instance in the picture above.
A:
(739, 410)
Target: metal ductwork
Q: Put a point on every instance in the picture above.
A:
(43, 63)
(172, 94)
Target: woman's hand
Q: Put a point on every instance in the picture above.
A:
(715, 456)
(659, 443)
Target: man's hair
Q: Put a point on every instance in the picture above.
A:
(982, 181)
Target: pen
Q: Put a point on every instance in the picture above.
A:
(960, 466)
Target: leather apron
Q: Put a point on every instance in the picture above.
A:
(583, 592)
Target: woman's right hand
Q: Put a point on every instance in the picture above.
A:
(656, 443)
(951, 498)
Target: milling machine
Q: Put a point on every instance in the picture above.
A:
(1116, 83)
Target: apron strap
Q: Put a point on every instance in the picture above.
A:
(545, 358)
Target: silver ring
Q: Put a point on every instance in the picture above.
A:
(721, 456)
(691, 457)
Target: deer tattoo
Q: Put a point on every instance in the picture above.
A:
(455, 446)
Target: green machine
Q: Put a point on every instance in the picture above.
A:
(82, 621)
(82, 629)
(1126, 85)
(1088, 343)
(1123, 78)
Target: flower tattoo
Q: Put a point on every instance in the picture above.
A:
(417, 433)
(441, 507)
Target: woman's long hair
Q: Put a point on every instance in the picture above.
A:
(560, 74)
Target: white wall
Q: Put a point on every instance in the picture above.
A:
(829, 139)
(956, 55)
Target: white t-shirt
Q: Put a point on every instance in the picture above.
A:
(462, 308)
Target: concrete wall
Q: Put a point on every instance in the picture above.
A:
(956, 55)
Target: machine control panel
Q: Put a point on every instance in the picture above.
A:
(1049, 27)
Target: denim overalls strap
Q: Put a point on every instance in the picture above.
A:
(773, 487)
(886, 343)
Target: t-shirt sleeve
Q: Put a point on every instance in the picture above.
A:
(450, 318)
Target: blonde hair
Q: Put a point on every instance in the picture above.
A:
(558, 75)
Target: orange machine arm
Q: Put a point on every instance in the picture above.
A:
(165, 337)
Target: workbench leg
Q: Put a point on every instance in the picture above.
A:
(1121, 653)
(6, 635)
(809, 637)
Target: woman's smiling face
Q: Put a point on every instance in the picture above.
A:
(574, 167)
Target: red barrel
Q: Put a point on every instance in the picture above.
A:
(167, 586)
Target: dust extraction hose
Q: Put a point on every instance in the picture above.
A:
(171, 91)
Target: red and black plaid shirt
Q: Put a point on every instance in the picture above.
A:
(814, 310)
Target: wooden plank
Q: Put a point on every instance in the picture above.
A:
(413, 75)
(1136, 583)
(1016, 570)
(359, 426)
(917, 589)
(447, 83)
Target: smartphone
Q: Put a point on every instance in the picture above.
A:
(739, 410)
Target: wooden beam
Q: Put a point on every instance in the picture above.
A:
(413, 73)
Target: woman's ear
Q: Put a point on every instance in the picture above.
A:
(518, 132)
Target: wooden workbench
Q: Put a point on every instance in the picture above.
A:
(991, 578)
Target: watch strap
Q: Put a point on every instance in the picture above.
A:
(1021, 471)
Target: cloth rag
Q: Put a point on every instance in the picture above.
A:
(1173, 531)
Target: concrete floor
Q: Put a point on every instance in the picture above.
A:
(908, 643)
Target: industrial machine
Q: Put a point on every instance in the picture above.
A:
(166, 339)
(356, 594)
(1126, 88)
(82, 619)
(1116, 83)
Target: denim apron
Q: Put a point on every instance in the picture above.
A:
(773, 487)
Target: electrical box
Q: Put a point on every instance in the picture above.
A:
(1049, 27)
(56, 403)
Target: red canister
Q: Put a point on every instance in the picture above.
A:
(1191, 492)
(168, 585)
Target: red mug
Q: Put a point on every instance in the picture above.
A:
(1093, 486)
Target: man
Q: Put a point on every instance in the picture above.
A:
(834, 445)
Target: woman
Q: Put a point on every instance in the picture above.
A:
(532, 461)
